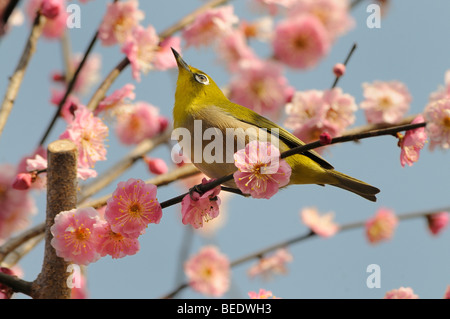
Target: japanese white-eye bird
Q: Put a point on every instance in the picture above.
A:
(198, 98)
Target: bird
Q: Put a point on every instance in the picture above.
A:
(201, 107)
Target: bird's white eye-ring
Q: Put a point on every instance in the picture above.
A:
(201, 78)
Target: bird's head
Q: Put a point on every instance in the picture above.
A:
(195, 86)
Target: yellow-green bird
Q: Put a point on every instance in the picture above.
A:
(201, 107)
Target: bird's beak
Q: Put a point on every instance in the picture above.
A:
(180, 61)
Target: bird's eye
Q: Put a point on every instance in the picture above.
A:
(201, 78)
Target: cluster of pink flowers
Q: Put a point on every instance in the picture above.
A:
(84, 235)
(306, 35)
(313, 112)
(260, 172)
(142, 45)
(401, 293)
(208, 272)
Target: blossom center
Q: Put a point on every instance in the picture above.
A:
(82, 233)
(135, 209)
(385, 102)
(301, 42)
(446, 122)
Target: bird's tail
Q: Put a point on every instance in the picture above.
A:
(354, 185)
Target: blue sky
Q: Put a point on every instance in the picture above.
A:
(411, 46)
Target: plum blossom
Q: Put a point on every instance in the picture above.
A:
(333, 14)
(412, 143)
(313, 112)
(273, 264)
(320, 225)
(208, 272)
(121, 96)
(75, 235)
(260, 172)
(381, 226)
(164, 57)
(260, 86)
(437, 116)
(120, 19)
(437, 222)
(210, 26)
(137, 122)
(385, 102)
(196, 208)
(141, 49)
(300, 42)
(116, 244)
(233, 49)
(132, 206)
(262, 294)
(88, 132)
(56, 16)
(401, 293)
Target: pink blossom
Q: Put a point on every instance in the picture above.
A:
(16, 206)
(339, 69)
(196, 208)
(156, 165)
(208, 272)
(55, 24)
(447, 292)
(276, 263)
(132, 206)
(401, 293)
(385, 102)
(333, 14)
(437, 116)
(51, 8)
(301, 42)
(320, 225)
(164, 57)
(412, 143)
(443, 92)
(141, 48)
(120, 19)
(437, 222)
(260, 172)
(233, 49)
(75, 235)
(120, 96)
(311, 113)
(22, 181)
(115, 244)
(262, 294)
(137, 122)
(69, 107)
(260, 86)
(381, 226)
(210, 26)
(88, 132)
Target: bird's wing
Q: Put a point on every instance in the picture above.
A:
(248, 116)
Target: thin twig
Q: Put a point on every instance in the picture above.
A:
(16, 79)
(349, 55)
